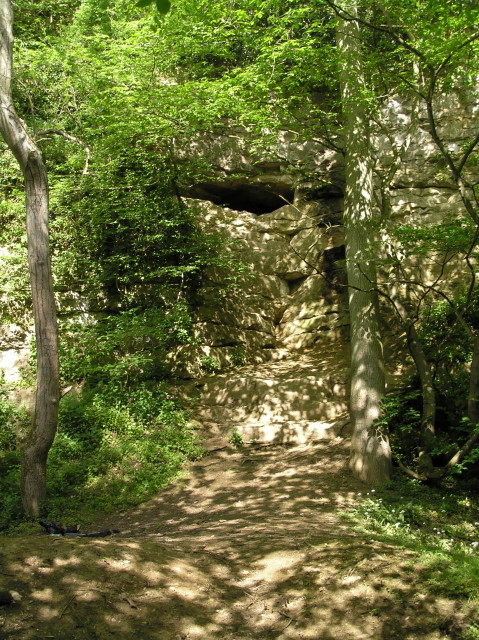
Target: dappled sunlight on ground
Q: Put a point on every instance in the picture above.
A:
(298, 400)
(250, 545)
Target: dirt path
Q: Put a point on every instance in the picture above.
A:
(250, 544)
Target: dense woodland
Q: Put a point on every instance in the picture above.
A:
(112, 93)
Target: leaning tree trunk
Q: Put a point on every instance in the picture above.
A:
(15, 134)
(370, 452)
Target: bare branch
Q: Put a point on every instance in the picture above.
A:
(68, 136)
(349, 17)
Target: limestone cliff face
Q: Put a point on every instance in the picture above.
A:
(285, 230)
(288, 291)
(279, 212)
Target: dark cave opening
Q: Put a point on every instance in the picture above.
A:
(243, 196)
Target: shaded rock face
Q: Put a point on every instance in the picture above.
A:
(14, 351)
(286, 293)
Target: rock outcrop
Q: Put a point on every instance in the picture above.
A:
(279, 215)
(286, 292)
(284, 232)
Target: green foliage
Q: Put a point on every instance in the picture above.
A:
(209, 364)
(113, 449)
(449, 237)
(445, 338)
(124, 223)
(238, 357)
(401, 416)
(125, 226)
(163, 6)
(124, 349)
(15, 294)
(471, 633)
(236, 439)
(448, 347)
(36, 19)
(12, 419)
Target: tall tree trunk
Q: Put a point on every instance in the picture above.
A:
(15, 134)
(370, 451)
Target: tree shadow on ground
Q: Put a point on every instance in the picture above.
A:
(249, 545)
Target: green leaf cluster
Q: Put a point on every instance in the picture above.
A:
(112, 450)
(125, 349)
(163, 6)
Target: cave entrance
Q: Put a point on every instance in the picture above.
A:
(244, 196)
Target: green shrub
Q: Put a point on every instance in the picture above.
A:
(11, 418)
(448, 349)
(209, 364)
(402, 417)
(236, 439)
(124, 349)
(8, 417)
(113, 450)
(238, 357)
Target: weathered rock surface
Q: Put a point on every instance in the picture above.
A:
(292, 256)
(299, 400)
(279, 214)
(287, 292)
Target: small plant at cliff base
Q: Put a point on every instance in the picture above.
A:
(209, 364)
(236, 439)
(238, 357)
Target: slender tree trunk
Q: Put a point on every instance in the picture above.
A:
(423, 368)
(473, 399)
(15, 134)
(370, 452)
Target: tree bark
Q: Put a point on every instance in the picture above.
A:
(423, 368)
(28, 156)
(370, 451)
(473, 397)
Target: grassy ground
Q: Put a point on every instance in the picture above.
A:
(108, 455)
(440, 524)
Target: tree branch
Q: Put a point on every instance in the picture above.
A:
(68, 136)
(349, 17)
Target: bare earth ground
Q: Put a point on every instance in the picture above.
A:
(247, 546)
(250, 544)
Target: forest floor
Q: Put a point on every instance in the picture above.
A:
(251, 543)
(248, 545)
